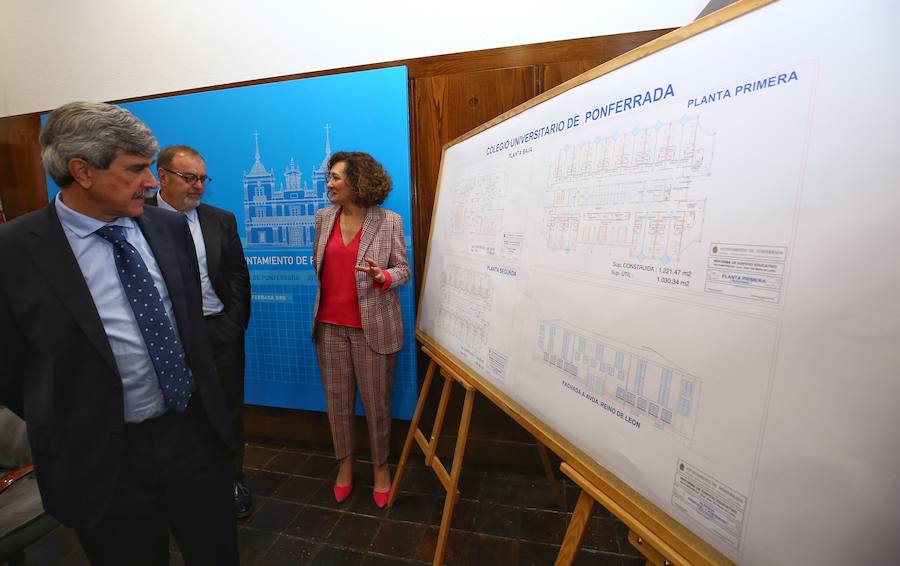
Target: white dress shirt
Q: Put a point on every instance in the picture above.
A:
(140, 387)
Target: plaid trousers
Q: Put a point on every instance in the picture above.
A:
(346, 362)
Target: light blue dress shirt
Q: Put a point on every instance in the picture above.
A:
(211, 302)
(140, 386)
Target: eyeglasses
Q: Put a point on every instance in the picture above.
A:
(190, 178)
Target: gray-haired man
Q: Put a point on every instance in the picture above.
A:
(105, 352)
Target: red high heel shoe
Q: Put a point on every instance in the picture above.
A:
(342, 492)
(381, 497)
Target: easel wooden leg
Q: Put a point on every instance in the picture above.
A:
(413, 426)
(450, 481)
(452, 490)
(575, 532)
(548, 471)
(438, 422)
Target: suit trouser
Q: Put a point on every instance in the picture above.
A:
(227, 341)
(346, 361)
(174, 475)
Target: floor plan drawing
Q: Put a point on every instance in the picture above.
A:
(633, 191)
(468, 296)
(477, 214)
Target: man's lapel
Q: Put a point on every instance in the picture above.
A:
(50, 250)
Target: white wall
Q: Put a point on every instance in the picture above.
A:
(56, 51)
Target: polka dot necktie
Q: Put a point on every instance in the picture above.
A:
(162, 343)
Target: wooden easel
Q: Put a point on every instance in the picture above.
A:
(450, 481)
(654, 549)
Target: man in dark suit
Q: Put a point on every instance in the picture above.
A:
(106, 356)
(224, 281)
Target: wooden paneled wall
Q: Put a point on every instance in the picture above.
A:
(22, 185)
(449, 95)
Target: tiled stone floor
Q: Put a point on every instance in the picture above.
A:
(502, 518)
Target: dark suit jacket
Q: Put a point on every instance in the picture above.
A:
(225, 260)
(58, 371)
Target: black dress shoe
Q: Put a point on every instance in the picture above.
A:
(243, 500)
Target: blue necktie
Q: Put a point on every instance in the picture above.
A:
(162, 343)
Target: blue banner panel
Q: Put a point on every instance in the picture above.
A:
(266, 147)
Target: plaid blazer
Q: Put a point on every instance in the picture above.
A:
(382, 239)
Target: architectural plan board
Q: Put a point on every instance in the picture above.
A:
(687, 267)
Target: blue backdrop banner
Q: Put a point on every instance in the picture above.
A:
(267, 146)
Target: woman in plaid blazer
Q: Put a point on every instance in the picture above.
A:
(359, 255)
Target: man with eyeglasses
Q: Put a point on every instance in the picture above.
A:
(224, 281)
